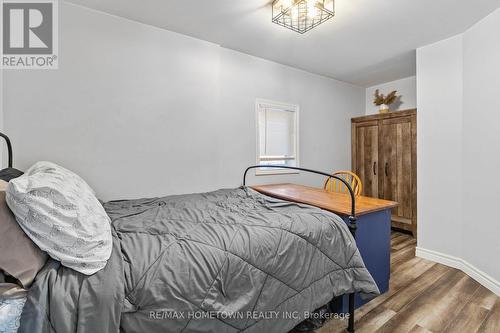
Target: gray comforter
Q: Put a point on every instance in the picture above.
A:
(224, 261)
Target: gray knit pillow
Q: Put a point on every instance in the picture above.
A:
(60, 213)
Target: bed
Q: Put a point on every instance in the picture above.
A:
(231, 260)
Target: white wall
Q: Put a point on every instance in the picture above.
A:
(439, 146)
(140, 111)
(458, 145)
(481, 158)
(407, 90)
(2, 148)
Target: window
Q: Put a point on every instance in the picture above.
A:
(277, 136)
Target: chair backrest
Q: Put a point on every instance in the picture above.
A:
(335, 185)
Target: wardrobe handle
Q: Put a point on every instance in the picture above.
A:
(386, 167)
(375, 168)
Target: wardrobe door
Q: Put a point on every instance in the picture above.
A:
(365, 156)
(397, 182)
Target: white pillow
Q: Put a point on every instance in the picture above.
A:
(61, 214)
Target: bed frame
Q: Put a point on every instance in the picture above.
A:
(352, 218)
(9, 147)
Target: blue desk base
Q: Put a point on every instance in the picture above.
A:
(373, 238)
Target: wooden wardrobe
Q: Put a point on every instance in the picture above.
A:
(384, 156)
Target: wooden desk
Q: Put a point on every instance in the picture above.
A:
(373, 236)
(337, 203)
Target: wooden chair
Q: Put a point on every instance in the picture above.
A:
(335, 185)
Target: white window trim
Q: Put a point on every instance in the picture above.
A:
(292, 107)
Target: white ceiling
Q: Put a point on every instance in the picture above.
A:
(367, 42)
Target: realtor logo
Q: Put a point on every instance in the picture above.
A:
(29, 34)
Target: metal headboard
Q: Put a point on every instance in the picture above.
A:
(349, 188)
(9, 147)
(352, 218)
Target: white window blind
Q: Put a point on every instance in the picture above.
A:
(277, 136)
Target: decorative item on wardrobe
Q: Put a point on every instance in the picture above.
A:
(384, 101)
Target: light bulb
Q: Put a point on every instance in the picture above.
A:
(295, 13)
(312, 9)
(285, 4)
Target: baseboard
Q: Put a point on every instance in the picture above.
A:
(458, 263)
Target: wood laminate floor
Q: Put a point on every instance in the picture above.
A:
(425, 297)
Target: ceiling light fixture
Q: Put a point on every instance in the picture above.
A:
(302, 15)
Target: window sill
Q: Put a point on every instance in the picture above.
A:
(276, 172)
